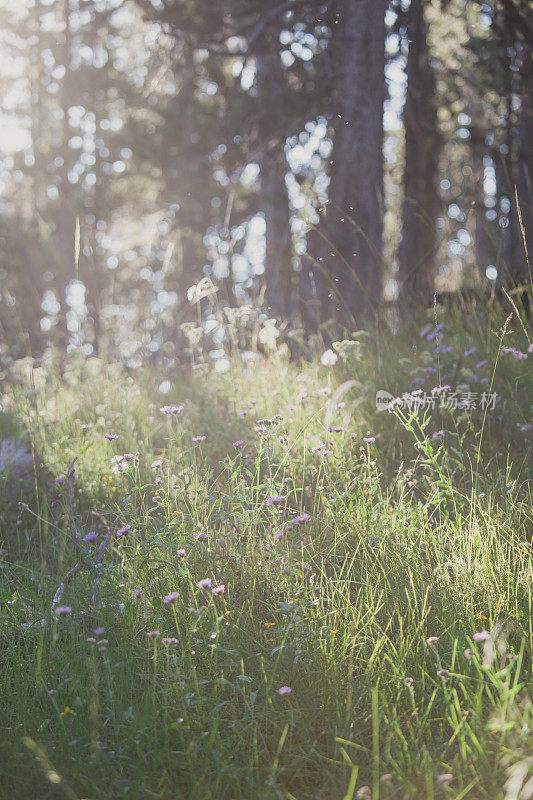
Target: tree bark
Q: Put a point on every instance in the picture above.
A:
(421, 203)
(352, 228)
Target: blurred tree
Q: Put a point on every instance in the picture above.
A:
(421, 203)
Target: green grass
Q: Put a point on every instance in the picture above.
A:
(409, 537)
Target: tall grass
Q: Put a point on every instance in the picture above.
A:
(374, 634)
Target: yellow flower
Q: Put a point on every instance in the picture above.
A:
(268, 624)
(66, 711)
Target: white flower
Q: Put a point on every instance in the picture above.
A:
(329, 358)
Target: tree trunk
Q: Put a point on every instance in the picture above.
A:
(269, 85)
(352, 228)
(523, 180)
(421, 203)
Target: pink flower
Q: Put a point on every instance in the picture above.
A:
(275, 500)
(90, 537)
(218, 589)
(62, 611)
(205, 583)
(171, 597)
(301, 518)
(153, 634)
(171, 409)
(481, 636)
(284, 690)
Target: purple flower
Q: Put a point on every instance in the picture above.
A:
(156, 464)
(275, 500)
(90, 537)
(469, 352)
(301, 518)
(62, 611)
(99, 631)
(216, 590)
(481, 636)
(369, 439)
(171, 597)
(278, 534)
(153, 634)
(438, 434)
(181, 553)
(335, 429)
(171, 409)
(110, 436)
(136, 592)
(123, 530)
(238, 444)
(199, 438)
(526, 427)
(205, 583)
(481, 364)
(59, 481)
(283, 690)
(170, 640)
(200, 537)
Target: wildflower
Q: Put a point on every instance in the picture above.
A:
(102, 643)
(199, 438)
(329, 358)
(467, 653)
(369, 439)
(438, 434)
(283, 690)
(66, 711)
(62, 611)
(481, 364)
(200, 537)
(156, 464)
(526, 427)
(242, 413)
(335, 429)
(517, 354)
(443, 673)
(99, 631)
(59, 481)
(469, 352)
(123, 530)
(181, 553)
(363, 793)
(52, 692)
(353, 436)
(171, 409)
(153, 635)
(324, 392)
(301, 518)
(216, 590)
(275, 500)
(136, 592)
(481, 636)
(102, 649)
(447, 777)
(90, 537)
(111, 437)
(432, 640)
(238, 444)
(169, 640)
(408, 681)
(342, 404)
(283, 438)
(278, 534)
(171, 597)
(292, 407)
(90, 640)
(204, 583)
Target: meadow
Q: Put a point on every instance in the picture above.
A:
(254, 584)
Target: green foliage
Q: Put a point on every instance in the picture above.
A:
(339, 569)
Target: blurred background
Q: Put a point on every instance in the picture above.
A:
(168, 165)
